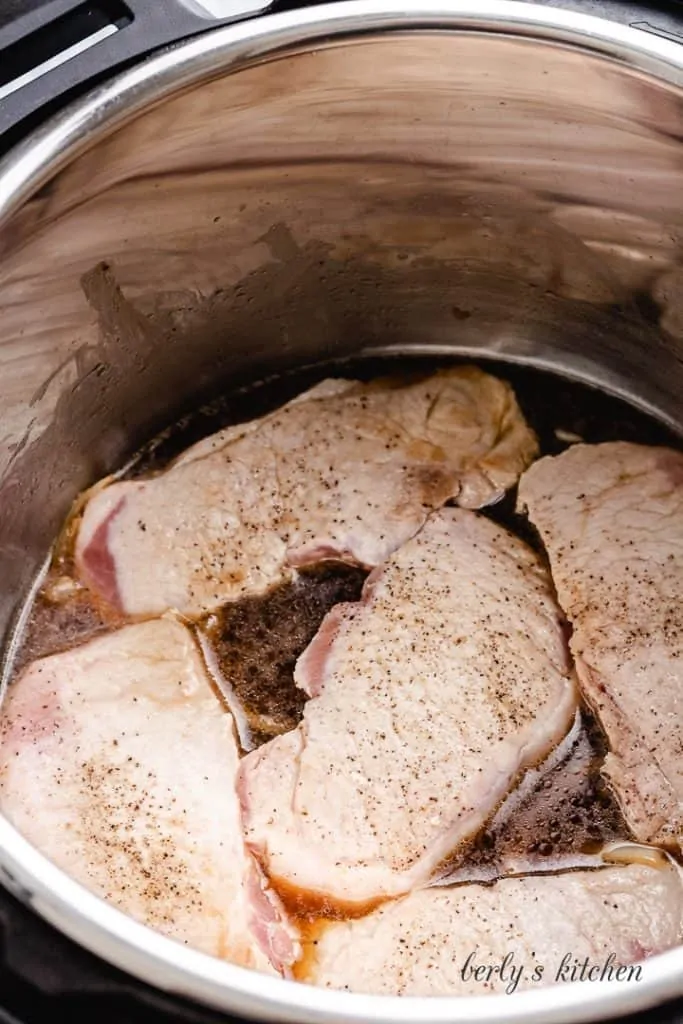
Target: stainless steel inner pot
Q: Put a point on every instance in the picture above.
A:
(488, 178)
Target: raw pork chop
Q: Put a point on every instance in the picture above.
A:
(118, 762)
(346, 470)
(429, 696)
(611, 517)
(431, 942)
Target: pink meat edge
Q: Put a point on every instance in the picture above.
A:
(270, 926)
(269, 923)
(319, 552)
(312, 665)
(242, 785)
(96, 563)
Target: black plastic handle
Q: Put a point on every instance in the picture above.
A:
(661, 19)
(117, 32)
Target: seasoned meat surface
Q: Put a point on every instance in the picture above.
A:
(611, 518)
(428, 698)
(118, 761)
(432, 942)
(346, 470)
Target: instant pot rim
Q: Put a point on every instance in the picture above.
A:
(23, 870)
(233, 48)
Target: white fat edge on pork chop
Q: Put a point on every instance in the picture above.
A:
(347, 470)
(611, 519)
(454, 941)
(118, 762)
(429, 698)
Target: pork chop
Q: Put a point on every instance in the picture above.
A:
(516, 934)
(346, 470)
(428, 698)
(118, 762)
(611, 518)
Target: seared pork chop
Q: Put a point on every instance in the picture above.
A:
(428, 698)
(118, 762)
(611, 518)
(432, 942)
(346, 470)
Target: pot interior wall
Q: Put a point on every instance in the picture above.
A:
(444, 191)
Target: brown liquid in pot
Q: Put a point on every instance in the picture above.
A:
(565, 814)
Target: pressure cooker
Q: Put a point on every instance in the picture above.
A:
(193, 196)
